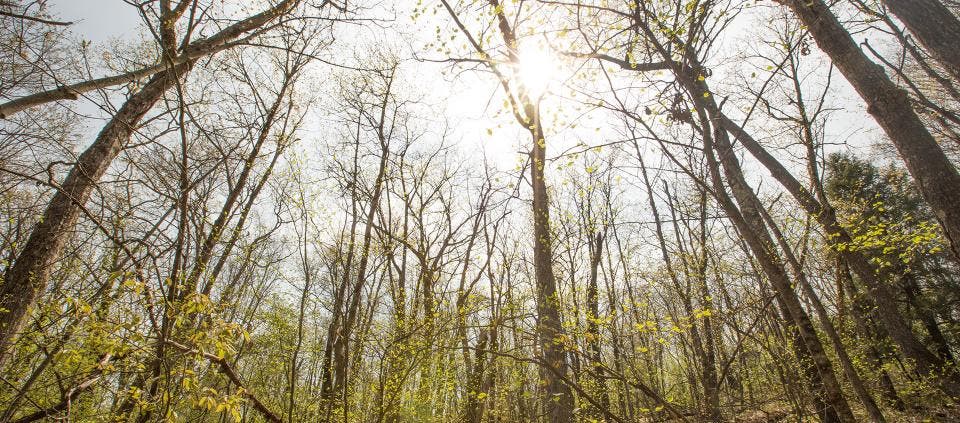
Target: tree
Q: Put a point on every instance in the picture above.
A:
(935, 26)
(936, 176)
(525, 106)
(28, 275)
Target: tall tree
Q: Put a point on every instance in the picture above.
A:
(937, 178)
(28, 275)
(935, 26)
(525, 106)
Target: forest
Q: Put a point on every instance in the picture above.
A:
(479, 211)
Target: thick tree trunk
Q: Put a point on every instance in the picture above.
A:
(835, 407)
(749, 222)
(889, 314)
(937, 29)
(935, 175)
(27, 278)
(808, 366)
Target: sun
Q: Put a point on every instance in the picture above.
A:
(539, 68)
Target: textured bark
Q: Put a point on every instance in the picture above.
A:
(549, 329)
(810, 372)
(593, 327)
(937, 29)
(889, 313)
(846, 363)
(477, 384)
(751, 226)
(709, 376)
(748, 220)
(935, 175)
(27, 278)
(559, 402)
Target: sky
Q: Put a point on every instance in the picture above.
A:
(469, 99)
(98, 20)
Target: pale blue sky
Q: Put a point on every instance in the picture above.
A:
(97, 20)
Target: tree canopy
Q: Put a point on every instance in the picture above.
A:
(479, 211)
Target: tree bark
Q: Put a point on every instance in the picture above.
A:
(937, 29)
(27, 278)
(935, 175)
(593, 325)
(888, 312)
(748, 220)
(559, 401)
(846, 363)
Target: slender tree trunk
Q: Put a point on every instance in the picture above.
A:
(473, 410)
(559, 400)
(304, 299)
(340, 348)
(593, 325)
(859, 310)
(709, 375)
(846, 364)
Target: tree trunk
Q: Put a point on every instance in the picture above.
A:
(748, 220)
(593, 326)
(888, 312)
(937, 29)
(27, 278)
(846, 363)
(559, 400)
(935, 175)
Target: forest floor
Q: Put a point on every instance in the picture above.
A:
(784, 413)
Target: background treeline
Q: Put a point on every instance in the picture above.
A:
(266, 211)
